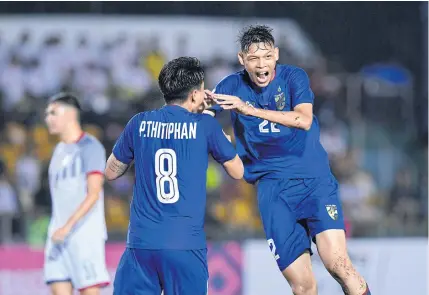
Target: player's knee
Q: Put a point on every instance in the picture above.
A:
(340, 266)
(305, 287)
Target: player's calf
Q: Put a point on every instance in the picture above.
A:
(300, 276)
(331, 245)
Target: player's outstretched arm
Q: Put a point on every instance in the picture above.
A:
(115, 168)
(234, 168)
(300, 117)
(301, 96)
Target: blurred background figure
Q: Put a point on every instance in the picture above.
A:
(369, 79)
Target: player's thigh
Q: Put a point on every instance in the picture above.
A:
(88, 264)
(90, 291)
(299, 275)
(136, 274)
(287, 238)
(322, 209)
(61, 288)
(331, 245)
(183, 271)
(55, 267)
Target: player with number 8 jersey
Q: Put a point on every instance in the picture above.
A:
(170, 148)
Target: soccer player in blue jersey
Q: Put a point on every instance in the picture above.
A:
(277, 138)
(166, 245)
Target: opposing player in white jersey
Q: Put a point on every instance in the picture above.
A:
(75, 249)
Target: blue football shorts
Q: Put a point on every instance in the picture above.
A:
(294, 211)
(175, 272)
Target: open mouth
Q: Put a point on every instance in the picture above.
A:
(262, 77)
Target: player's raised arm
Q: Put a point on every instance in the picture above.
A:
(302, 102)
(227, 85)
(301, 117)
(123, 153)
(223, 151)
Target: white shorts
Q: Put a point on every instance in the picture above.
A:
(80, 262)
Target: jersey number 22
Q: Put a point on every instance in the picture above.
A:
(263, 128)
(166, 171)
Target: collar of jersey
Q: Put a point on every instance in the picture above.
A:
(175, 107)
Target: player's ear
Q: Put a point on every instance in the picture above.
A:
(194, 96)
(241, 58)
(276, 53)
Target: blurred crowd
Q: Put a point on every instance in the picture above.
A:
(382, 170)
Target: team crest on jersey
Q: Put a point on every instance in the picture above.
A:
(332, 211)
(280, 99)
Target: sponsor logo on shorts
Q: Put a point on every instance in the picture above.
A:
(332, 211)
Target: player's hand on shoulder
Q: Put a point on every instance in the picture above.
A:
(234, 103)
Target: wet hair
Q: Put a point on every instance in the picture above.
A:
(179, 77)
(255, 34)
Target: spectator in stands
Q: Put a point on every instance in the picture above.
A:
(334, 135)
(25, 50)
(358, 192)
(218, 69)
(12, 147)
(54, 63)
(12, 84)
(8, 207)
(403, 203)
(155, 59)
(84, 53)
(28, 179)
(36, 80)
(91, 80)
(132, 82)
(4, 51)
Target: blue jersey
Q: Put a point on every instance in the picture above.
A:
(170, 147)
(270, 150)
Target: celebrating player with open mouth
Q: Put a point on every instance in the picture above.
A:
(277, 138)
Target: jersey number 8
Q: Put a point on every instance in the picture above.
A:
(166, 171)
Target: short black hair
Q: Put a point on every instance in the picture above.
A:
(179, 77)
(255, 34)
(66, 98)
